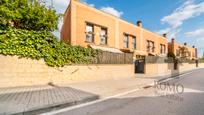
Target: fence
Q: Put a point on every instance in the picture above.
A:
(201, 60)
(157, 59)
(113, 58)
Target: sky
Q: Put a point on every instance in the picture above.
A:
(180, 19)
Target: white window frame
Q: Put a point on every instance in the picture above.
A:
(150, 46)
(104, 36)
(89, 32)
(134, 42)
(126, 41)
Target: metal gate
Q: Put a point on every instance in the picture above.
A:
(139, 66)
(175, 64)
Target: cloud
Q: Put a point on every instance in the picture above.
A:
(198, 39)
(184, 12)
(57, 32)
(199, 33)
(162, 31)
(174, 33)
(59, 5)
(171, 33)
(84, 2)
(112, 11)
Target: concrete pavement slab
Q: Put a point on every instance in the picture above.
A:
(33, 100)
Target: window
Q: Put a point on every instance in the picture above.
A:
(126, 41)
(103, 36)
(162, 49)
(89, 33)
(134, 43)
(150, 46)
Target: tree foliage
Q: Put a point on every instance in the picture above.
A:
(203, 56)
(24, 14)
(171, 55)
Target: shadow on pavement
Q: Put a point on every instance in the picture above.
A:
(31, 100)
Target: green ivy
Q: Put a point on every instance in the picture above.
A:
(42, 45)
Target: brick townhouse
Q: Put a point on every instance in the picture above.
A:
(182, 50)
(89, 27)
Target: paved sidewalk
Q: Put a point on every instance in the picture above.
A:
(38, 99)
(26, 100)
(112, 87)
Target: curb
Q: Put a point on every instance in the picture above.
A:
(56, 106)
(170, 77)
(176, 75)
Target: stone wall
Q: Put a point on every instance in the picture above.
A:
(26, 72)
(164, 68)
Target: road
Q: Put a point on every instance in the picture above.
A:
(154, 100)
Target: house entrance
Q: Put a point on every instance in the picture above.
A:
(139, 65)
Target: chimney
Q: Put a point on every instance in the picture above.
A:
(74, 0)
(196, 53)
(172, 45)
(185, 44)
(164, 35)
(172, 40)
(139, 23)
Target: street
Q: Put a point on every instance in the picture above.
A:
(152, 101)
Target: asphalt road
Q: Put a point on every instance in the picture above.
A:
(185, 96)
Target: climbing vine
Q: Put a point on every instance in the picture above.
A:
(42, 45)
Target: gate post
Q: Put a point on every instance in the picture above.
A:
(196, 63)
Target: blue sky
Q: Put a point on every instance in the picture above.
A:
(181, 19)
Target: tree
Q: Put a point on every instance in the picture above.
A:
(171, 55)
(203, 55)
(25, 14)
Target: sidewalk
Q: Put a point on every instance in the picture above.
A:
(29, 99)
(112, 87)
(37, 99)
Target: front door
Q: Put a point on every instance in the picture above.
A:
(139, 66)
